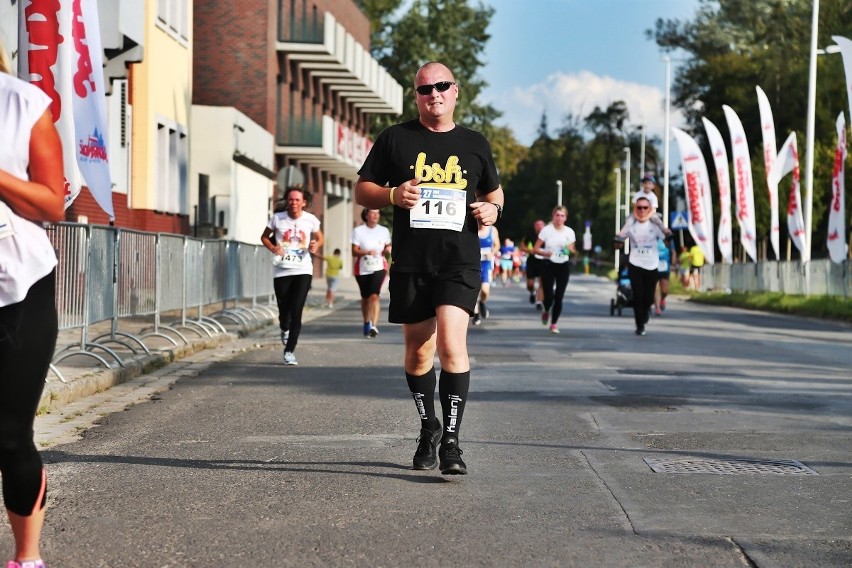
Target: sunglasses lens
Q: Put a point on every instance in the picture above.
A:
(440, 87)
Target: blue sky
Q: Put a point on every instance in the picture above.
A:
(568, 56)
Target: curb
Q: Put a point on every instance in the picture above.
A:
(57, 394)
(89, 381)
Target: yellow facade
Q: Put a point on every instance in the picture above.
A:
(161, 93)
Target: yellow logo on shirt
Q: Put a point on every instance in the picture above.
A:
(450, 175)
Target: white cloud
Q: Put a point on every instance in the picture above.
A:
(562, 94)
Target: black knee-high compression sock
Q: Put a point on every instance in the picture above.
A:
(453, 389)
(423, 391)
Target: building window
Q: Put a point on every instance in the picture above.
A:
(173, 17)
(172, 153)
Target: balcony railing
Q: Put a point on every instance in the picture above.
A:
(297, 23)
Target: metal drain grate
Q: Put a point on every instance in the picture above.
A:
(728, 467)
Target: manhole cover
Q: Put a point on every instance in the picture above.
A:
(728, 467)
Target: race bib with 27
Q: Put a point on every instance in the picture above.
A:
(440, 208)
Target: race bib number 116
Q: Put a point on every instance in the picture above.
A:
(440, 208)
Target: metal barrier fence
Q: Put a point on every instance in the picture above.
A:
(112, 274)
(815, 278)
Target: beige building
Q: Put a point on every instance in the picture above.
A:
(208, 121)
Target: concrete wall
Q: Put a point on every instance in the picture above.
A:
(241, 188)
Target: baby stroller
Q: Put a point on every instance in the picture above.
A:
(623, 294)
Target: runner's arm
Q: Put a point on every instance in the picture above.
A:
(374, 196)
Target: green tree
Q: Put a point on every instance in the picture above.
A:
(508, 152)
(734, 46)
(582, 153)
(450, 31)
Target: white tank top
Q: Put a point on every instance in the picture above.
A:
(26, 254)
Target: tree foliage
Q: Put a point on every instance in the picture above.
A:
(450, 31)
(731, 46)
(582, 153)
(734, 46)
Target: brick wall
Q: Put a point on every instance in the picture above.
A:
(234, 61)
(138, 219)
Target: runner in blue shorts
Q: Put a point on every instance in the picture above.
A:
(489, 245)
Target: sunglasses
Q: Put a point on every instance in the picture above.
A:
(642, 207)
(440, 86)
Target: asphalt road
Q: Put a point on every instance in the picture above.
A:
(231, 459)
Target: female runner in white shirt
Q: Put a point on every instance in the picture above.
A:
(555, 244)
(32, 191)
(644, 259)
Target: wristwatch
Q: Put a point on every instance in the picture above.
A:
(499, 209)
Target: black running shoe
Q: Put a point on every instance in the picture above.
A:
(424, 457)
(477, 319)
(532, 298)
(450, 454)
(483, 309)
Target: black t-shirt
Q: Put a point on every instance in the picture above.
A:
(530, 239)
(460, 158)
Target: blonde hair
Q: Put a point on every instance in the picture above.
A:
(5, 66)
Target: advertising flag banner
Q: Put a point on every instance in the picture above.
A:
(90, 116)
(60, 52)
(788, 161)
(770, 152)
(699, 203)
(837, 247)
(846, 52)
(720, 162)
(743, 183)
(45, 60)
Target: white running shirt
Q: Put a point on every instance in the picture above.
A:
(644, 251)
(26, 254)
(294, 236)
(557, 241)
(367, 239)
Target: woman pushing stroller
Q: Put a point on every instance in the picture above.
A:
(643, 260)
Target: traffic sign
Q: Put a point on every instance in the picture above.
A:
(679, 220)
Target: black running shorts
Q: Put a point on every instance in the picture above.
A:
(533, 267)
(370, 284)
(414, 296)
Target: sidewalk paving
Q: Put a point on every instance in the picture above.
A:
(84, 382)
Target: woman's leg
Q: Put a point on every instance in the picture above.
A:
(643, 283)
(562, 274)
(547, 281)
(27, 340)
(281, 285)
(295, 304)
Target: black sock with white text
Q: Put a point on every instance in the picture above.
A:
(423, 391)
(453, 389)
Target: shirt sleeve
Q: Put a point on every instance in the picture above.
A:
(371, 170)
(490, 179)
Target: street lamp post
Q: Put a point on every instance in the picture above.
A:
(559, 192)
(626, 181)
(642, 152)
(666, 135)
(809, 135)
(617, 210)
